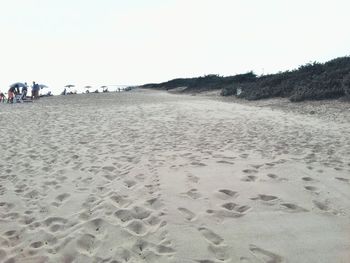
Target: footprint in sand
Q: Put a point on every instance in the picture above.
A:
(140, 177)
(216, 246)
(6, 206)
(150, 252)
(26, 220)
(193, 178)
(193, 193)
(37, 244)
(236, 207)
(153, 220)
(151, 188)
(87, 243)
(250, 171)
(34, 194)
(321, 205)
(225, 162)
(220, 252)
(264, 255)
(272, 176)
(140, 213)
(123, 254)
(11, 233)
(189, 215)
(198, 164)
(226, 194)
(307, 179)
(242, 208)
(108, 168)
(266, 198)
(121, 201)
(110, 177)
(222, 214)
(52, 220)
(140, 246)
(155, 203)
(21, 188)
(161, 249)
(137, 227)
(343, 179)
(311, 188)
(62, 197)
(129, 183)
(293, 208)
(229, 206)
(56, 227)
(97, 225)
(12, 216)
(124, 215)
(249, 178)
(210, 236)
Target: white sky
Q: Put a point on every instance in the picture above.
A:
(101, 42)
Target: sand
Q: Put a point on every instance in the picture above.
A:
(148, 176)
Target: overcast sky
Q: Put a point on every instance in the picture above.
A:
(101, 42)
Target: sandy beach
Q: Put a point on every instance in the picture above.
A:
(148, 176)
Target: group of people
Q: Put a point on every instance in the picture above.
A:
(15, 92)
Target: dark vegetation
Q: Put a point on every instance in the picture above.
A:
(313, 81)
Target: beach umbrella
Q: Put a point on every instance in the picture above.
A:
(69, 86)
(18, 84)
(87, 89)
(42, 86)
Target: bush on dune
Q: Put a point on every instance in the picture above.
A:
(346, 85)
(313, 81)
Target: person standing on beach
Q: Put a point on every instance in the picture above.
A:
(32, 96)
(35, 90)
(24, 91)
(11, 93)
(2, 97)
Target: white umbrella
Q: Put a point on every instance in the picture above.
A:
(18, 84)
(42, 86)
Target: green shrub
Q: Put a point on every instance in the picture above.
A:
(313, 81)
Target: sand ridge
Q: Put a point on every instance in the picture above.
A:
(155, 177)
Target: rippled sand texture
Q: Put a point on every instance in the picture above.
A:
(156, 177)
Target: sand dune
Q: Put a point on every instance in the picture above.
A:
(154, 177)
